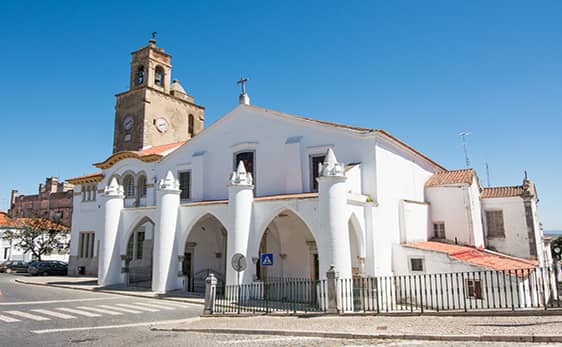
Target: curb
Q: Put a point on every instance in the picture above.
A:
(107, 291)
(354, 336)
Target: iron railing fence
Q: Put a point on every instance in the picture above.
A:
(516, 289)
(290, 296)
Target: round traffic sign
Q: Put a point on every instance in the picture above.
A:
(239, 262)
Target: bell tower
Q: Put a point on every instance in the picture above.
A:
(154, 111)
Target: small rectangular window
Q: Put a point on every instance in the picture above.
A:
(494, 223)
(185, 185)
(81, 245)
(473, 289)
(416, 264)
(91, 245)
(439, 230)
(315, 161)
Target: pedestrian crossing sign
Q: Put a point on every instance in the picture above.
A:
(266, 259)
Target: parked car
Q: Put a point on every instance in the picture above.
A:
(49, 267)
(3, 266)
(16, 266)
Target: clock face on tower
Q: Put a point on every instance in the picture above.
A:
(128, 122)
(161, 124)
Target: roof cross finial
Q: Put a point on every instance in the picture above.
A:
(243, 81)
(152, 40)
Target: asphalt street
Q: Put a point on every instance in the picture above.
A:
(46, 316)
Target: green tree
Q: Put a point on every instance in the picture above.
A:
(556, 243)
(37, 236)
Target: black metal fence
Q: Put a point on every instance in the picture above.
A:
(275, 295)
(518, 289)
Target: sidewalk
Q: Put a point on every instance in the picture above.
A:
(90, 284)
(488, 328)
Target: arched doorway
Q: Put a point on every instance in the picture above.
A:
(292, 246)
(205, 253)
(356, 247)
(139, 254)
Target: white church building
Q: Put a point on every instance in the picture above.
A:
(175, 201)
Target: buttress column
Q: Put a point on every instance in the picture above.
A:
(332, 196)
(240, 200)
(164, 271)
(109, 266)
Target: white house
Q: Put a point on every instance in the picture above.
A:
(310, 192)
(9, 249)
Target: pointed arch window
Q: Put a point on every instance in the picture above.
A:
(141, 186)
(190, 125)
(159, 76)
(129, 186)
(140, 75)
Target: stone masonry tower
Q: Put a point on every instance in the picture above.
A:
(154, 111)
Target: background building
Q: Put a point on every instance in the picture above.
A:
(53, 201)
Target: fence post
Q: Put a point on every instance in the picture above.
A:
(334, 302)
(210, 292)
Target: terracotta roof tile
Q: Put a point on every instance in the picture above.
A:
(501, 192)
(287, 196)
(451, 177)
(162, 150)
(475, 256)
(97, 176)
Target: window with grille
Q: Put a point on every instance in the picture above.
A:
(142, 186)
(86, 244)
(185, 185)
(140, 243)
(473, 289)
(129, 186)
(248, 158)
(416, 264)
(439, 230)
(494, 223)
(315, 162)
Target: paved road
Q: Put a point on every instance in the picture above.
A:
(38, 315)
(45, 316)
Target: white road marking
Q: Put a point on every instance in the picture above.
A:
(119, 309)
(15, 303)
(100, 310)
(26, 315)
(54, 314)
(47, 331)
(274, 339)
(135, 307)
(155, 306)
(79, 312)
(8, 319)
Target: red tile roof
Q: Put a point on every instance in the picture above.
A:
(162, 150)
(451, 177)
(5, 220)
(38, 223)
(478, 257)
(97, 176)
(287, 196)
(501, 192)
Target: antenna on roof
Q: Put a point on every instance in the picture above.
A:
(488, 174)
(463, 135)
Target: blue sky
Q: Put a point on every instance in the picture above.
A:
(422, 70)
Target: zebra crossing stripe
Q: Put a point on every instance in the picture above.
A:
(79, 312)
(138, 307)
(8, 319)
(100, 310)
(54, 314)
(119, 309)
(155, 306)
(27, 315)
